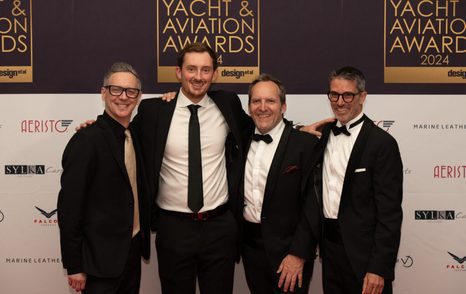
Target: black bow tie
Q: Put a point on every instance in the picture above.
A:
(342, 130)
(266, 138)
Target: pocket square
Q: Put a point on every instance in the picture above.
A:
(290, 169)
(359, 170)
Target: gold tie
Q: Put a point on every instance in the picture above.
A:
(130, 163)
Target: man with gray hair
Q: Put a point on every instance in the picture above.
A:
(103, 205)
(359, 184)
(278, 243)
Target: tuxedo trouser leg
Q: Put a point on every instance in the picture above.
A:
(187, 249)
(260, 276)
(127, 283)
(337, 273)
(219, 248)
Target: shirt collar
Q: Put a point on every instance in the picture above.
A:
(184, 101)
(276, 132)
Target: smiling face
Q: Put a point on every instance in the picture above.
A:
(196, 75)
(346, 111)
(265, 107)
(121, 107)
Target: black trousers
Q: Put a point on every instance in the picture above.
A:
(197, 249)
(261, 276)
(127, 283)
(337, 273)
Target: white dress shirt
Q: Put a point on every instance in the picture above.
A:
(173, 180)
(260, 156)
(336, 156)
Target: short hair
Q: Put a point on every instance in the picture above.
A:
(269, 78)
(121, 67)
(198, 48)
(351, 74)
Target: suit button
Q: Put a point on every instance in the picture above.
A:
(131, 205)
(263, 218)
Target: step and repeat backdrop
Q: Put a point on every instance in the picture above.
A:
(53, 55)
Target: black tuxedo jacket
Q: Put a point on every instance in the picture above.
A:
(95, 203)
(284, 228)
(153, 123)
(370, 213)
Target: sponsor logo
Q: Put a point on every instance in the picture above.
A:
(32, 260)
(434, 215)
(25, 169)
(230, 28)
(424, 41)
(450, 172)
(440, 126)
(385, 124)
(406, 261)
(458, 263)
(47, 218)
(30, 170)
(45, 126)
(16, 41)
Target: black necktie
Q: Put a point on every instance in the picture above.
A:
(266, 138)
(195, 192)
(342, 130)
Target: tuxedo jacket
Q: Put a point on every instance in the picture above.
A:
(284, 228)
(370, 213)
(153, 123)
(95, 203)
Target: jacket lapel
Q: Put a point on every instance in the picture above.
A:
(356, 153)
(228, 115)
(112, 142)
(165, 116)
(276, 166)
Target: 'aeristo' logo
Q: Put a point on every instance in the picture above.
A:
(45, 126)
(450, 172)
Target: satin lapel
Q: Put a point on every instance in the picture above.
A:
(318, 185)
(163, 126)
(112, 142)
(276, 166)
(356, 153)
(228, 115)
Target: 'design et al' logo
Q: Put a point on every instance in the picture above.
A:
(16, 41)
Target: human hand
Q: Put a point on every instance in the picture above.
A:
(85, 124)
(168, 96)
(291, 271)
(77, 281)
(316, 128)
(372, 284)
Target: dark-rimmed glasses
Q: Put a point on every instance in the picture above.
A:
(117, 91)
(347, 96)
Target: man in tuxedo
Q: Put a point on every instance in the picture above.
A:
(193, 150)
(278, 243)
(103, 209)
(359, 180)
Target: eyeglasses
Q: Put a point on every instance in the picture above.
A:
(117, 91)
(347, 96)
